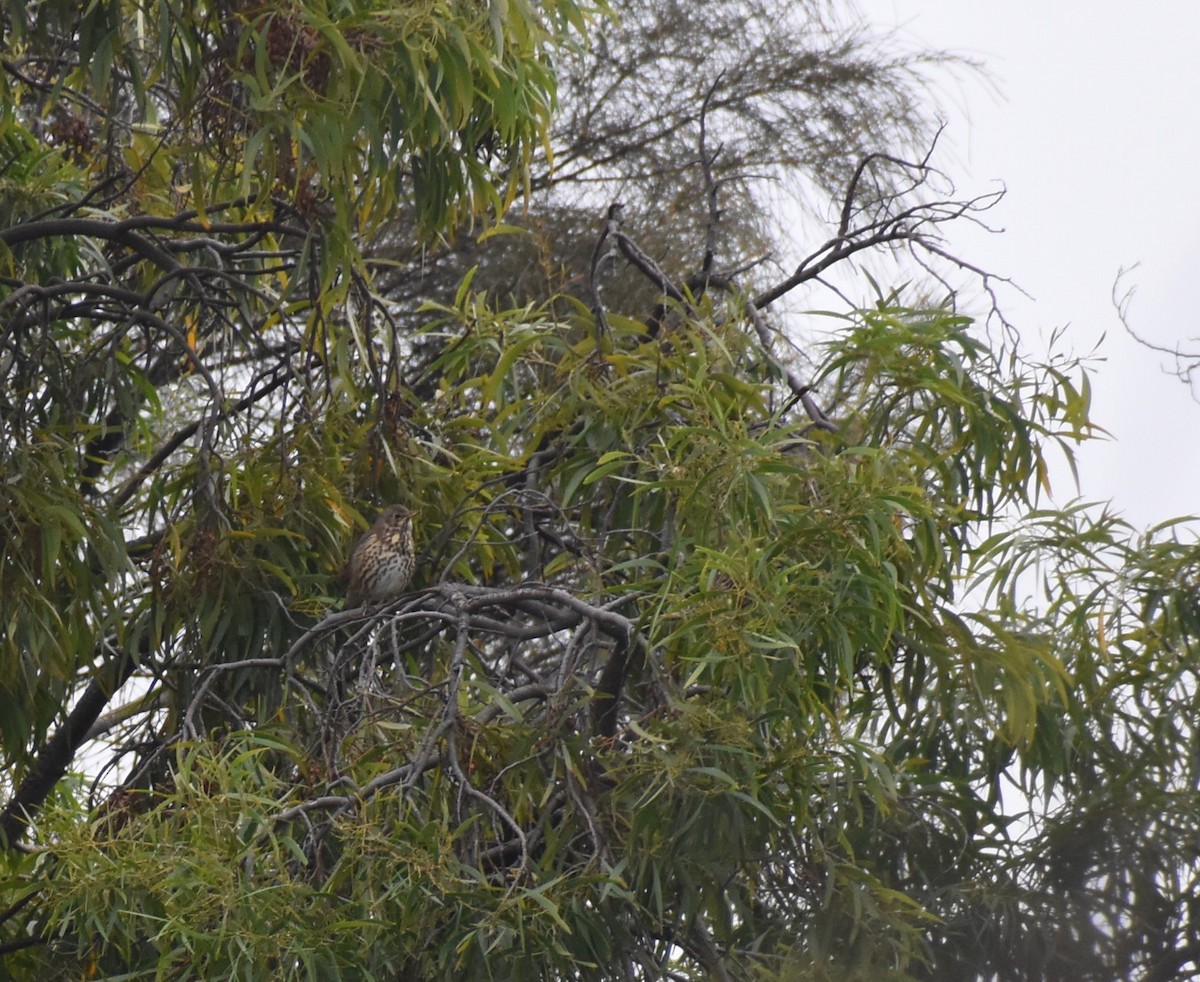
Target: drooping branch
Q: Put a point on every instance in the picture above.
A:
(119, 295)
(1187, 363)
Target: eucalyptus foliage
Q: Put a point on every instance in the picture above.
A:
(722, 660)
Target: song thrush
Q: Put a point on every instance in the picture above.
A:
(382, 563)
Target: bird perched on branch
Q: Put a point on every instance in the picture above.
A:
(383, 560)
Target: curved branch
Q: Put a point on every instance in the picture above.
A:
(120, 232)
(184, 433)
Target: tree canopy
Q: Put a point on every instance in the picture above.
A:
(745, 641)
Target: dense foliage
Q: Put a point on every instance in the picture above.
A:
(724, 659)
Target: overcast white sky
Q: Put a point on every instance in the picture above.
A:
(1092, 123)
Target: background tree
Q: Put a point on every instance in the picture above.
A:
(722, 659)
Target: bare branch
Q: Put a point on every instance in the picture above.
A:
(710, 182)
(612, 223)
(913, 225)
(1187, 363)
